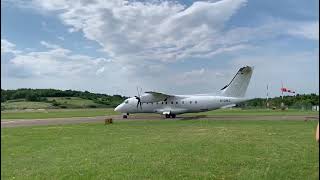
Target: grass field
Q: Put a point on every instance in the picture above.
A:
(167, 149)
(66, 102)
(26, 105)
(60, 113)
(57, 113)
(75, 102)
(254, 112)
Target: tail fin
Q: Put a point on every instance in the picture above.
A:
(239, 84)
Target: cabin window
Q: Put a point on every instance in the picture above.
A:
(147, 103)
(190, 102)
(171, 102)
(166, 102)
(176, 102)
(182, 102)
(196, 102)
(162, 102)
(152, 103)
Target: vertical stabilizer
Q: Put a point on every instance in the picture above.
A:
(239, 84)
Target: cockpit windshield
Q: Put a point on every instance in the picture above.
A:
(126, 101)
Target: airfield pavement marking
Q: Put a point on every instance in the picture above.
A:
(75, 120)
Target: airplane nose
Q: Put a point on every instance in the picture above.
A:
(118, 108)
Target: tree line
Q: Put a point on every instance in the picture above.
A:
(299, 101)
(42, 95)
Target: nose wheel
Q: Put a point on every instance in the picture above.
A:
(170, 116)
(125, 116)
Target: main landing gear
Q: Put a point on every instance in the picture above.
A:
(170, 116)
(125, 116)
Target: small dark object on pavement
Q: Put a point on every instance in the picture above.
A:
(108, 121)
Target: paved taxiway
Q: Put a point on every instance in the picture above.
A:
(76, 120)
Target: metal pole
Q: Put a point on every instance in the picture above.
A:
(282, 104)
(267, 96)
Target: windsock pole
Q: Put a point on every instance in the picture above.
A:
(282, 104)
(267, 96)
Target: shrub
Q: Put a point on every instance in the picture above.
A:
(63, 106)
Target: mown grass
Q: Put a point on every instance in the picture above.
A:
(62, 102)
(75, 102)
(26, 105)
(167, 149)
(254, 112)
(58, 113)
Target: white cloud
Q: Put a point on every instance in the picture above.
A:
(309, 30)
(133, 31)
(56, 61)
(8, 47)
(61, 38)
(49, 45)
(99, 71)
(162, 30)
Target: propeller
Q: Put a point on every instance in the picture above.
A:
(138, 98)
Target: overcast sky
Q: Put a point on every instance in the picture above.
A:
(177, 47)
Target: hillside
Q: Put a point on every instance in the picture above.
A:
(53, 99)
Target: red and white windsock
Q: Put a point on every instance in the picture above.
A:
(287, 90)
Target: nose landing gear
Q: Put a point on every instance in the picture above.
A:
(125, 116)
(170, 116)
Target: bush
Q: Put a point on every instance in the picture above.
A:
(32, 97)
(63, 106)
(43, 99)
(55, 103)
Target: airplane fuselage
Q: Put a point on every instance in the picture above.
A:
(179, 104)
(170, 105)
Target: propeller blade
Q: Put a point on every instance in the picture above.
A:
(138, 97)
(139, 101)
(138, 91)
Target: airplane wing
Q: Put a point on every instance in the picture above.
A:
(151, 96)
(171, 110)
(228, 106)
(159, 95)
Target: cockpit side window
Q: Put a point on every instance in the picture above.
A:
(126, 101)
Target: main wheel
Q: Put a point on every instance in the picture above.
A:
(124, 116)
(167, 115)
(173, 116)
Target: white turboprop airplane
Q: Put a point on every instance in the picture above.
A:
(170, 105)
